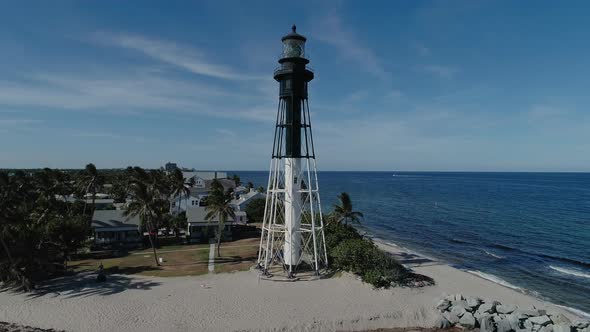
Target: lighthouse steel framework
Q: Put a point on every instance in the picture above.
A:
(293, 226)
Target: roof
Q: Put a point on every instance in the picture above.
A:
(205, 175)
(100, 201)
(294, 35)
(245, 197)
(226, 183)
(196, 214)
(113, 219)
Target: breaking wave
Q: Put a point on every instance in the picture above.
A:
(495, 279)
(570, 272)
(493, 255)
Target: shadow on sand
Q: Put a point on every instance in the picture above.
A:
(413, 260)
(85, 284)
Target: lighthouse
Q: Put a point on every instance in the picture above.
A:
(292, 241)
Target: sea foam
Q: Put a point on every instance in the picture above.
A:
(575, 311)
(570, 272)
(495, 279)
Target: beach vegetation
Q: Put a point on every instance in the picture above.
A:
(350, 251)
(344, 213)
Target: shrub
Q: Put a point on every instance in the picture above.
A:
(349, 251)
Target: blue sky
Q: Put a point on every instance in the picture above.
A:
(400, 85)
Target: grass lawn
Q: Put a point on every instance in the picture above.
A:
(179, 260)
(237, 256)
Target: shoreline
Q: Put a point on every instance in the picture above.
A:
(395, 249)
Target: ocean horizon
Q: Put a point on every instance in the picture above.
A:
(528, 231)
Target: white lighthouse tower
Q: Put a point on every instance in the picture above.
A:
(292, 241)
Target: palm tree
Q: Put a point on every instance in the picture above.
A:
(180, 187)
(219, 206)
(343, 213)
(91, 181)
(144, 207)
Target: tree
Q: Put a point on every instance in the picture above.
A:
(219, 206)
(255, 210)
(250, 185)
(180, 187)
(68, 234)
(260, 189)
(148, 202)
(91, 181)
(236, 179)
(343, 213)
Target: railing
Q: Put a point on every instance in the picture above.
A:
(281, 68)
(305, 56)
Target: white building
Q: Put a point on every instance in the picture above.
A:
(243, 199)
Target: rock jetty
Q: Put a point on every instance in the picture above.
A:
(471, 312)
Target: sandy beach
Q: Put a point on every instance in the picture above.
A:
(243, 302)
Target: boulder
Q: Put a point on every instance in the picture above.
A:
(581, 324)
(503, 326)
(546, 328)
(451, 317)
(462, 304)
(442, 323)
(458, 310)
(528, 324)
(467, 321)
(514, 321)
(473, 302)
(488, 307)
(505, 308)
(443, 305)
(541, 320)
(486, 324)
(529, 312)
(560, 319)
(562, 328)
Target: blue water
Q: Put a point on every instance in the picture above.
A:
(528, 230)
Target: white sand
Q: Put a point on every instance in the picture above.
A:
(240, 301)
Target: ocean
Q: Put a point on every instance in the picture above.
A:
(527, 231)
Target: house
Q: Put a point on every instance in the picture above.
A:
(179, 203)
(198, 193)
(111, 227)
(199, 228)
(240, 217)
(101, 203)
(204, 175)
(242, 200)
(170, 167)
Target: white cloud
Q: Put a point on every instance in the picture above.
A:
(183, 56)
(136, 92)
(330, 30)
